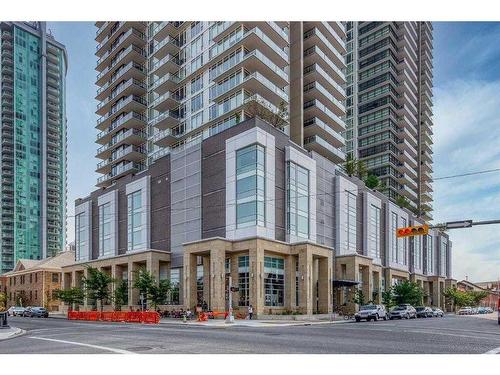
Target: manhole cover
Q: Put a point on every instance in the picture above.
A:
(139, 349)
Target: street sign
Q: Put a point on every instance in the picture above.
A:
(416, 230)
(459, 224)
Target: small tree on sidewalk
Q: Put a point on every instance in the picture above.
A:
(153, 292)
(359, 297)
(96, 285)
(73, 296)
(144, 281)
(120, 296)
(158, 293)
(388, 298)
(408, 292)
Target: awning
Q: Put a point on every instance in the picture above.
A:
(339, 283)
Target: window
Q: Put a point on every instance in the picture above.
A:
(105, 220)
(197, 103)
(196, 84)
(351, 222)
(443, 255)
(250, 186)
(274, 281)
(136, 228)
(175, 279)
(430, 255)
(417, 252)
(403, 250)
(394, 243)
(298, 201)
(374, 232)
(81, 235)
(244, 280)
(199, 284)
(55, 277)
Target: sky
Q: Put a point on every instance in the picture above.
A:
(466, 133)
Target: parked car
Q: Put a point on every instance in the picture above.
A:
(437, 312)
(481, 310)
(16, 311)
(424, 312)
(403, 312)
(465, 311)
(370, 312)
(36, 312)
(489, 310)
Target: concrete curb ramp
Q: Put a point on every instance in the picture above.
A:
(10, 333)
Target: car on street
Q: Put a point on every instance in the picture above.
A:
(437, 312)
(370, 312)
(16, 311)
(489, 310)
(424, 312)
(403, 312)
(36, 312)
(465, 311)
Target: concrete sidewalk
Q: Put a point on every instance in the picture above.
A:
(221, 323)
(8, 333)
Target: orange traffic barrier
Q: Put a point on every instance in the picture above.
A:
(73, 315)
(149, 317)
(202, 317)
(120, 316)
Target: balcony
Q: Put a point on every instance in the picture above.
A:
(128, 104)
(406, 157)
(131, 54)
(125, 89)
(165, 120)
(129, 153)
(168, 46)
(109, 76)
(132, 120)
(314, 37)
(315, 73)
(130, 137)
(119, 171)
(316, 55)
(131, 37)
(314, 90)
(168, 64)
(168, 28)
(315, 108)
(165, 84)
(167, 101)
(322, 147)
(315, 126)
(408, 193)
(165, 138)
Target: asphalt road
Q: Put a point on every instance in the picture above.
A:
(452, 334)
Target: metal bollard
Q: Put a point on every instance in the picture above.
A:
(3, 320)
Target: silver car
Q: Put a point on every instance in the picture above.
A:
(403, 312)
(370, 312)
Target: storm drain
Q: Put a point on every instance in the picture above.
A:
(139, 349)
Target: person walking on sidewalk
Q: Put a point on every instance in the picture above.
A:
(250, 312)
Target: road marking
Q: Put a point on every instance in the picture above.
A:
(114, 350)
(494, 351)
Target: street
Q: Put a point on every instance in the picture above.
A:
(452, 334)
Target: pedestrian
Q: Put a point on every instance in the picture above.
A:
(250, 312)
(204, 306)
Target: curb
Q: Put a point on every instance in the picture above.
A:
(16, 333)
(266, 324)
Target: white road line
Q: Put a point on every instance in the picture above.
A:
(494, 351)
(114, 350)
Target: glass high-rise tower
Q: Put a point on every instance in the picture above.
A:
(33, 143)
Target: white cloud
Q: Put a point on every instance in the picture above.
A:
(467, 139)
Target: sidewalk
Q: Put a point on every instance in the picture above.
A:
(221, 323)
(10, 333)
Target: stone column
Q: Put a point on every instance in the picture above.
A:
(133, 293)
(206, 280)
(306, 280)
(325, 285)
(256, 259)
(367, 283)
(189, 277)
(218, 278)
(233, 262)
(290, 302)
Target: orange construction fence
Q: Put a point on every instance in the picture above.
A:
(116, 316)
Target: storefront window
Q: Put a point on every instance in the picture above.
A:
(199, 284)
(243, 280)
(175, 278)
(274, 281)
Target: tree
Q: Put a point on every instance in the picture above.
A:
(372, 181)
(461, 298)
(96, 285)
(477, 296)
(73, 296)
(359, 297)
(120, 296)
(258, 108)
(3, 301)
(408, 292)
(354, 167)
(388, 298)
(158, 293)
(144, 281)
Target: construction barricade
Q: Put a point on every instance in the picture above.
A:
(148, 317)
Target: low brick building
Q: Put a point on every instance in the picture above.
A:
(491, 300)
(33, 282)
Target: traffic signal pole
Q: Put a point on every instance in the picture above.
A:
(463, 224)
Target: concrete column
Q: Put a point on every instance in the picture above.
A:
(325, 285)
(377, 285)
(367, 283)
(153, 266)
(133, 293)
(306, 280)
(189, 277)
(234, 274)
(290, 282)
(206, 280)
(218, 278)
(256, 258)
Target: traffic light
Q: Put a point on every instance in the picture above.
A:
(418, 230)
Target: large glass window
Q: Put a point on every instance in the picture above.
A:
(430, 254)
(394, 243)
(175, 280)
(298, 201)
(136, 228)
(199, 284)
(81, 237)
(351, 222)
(443, 255)
(274, 281)
(417, 252)
(250, 186)
(403, 249)
(374, 233)
(244, 280)
(105, 222)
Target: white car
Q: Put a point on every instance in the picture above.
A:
(370, 312)
(16, 311)
(465, 311)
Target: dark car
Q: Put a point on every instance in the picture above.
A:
(36, 312)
